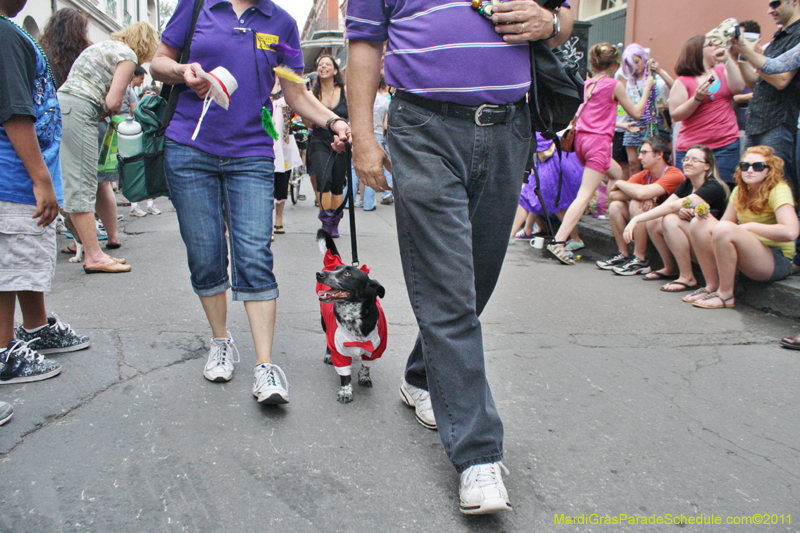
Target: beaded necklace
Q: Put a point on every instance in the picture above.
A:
(650, 113)
(46, 61)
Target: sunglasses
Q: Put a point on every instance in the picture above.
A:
(757, 167)
(775, 4)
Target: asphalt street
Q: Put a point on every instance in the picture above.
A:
(617, 399)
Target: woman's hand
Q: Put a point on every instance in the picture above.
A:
(630, 127)
(628, 233)
(686, 214)
(522, 20)
(702, 89)
(199, 85)
(721, 55)
(649, 83)
(341, 134)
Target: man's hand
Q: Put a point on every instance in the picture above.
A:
(522, 20)
(370, 159)
(46, 201)
(646, 205)
(199, 85)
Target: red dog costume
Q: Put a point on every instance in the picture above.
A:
(343, 345)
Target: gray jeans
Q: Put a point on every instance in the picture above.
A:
(456, 188)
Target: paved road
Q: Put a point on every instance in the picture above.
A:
(617, 399)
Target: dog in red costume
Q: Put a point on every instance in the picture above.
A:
(352, 318)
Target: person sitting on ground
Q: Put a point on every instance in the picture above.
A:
(643, 191)
(668, 224)
(30, 192)
(755, 235)
(594, 132)
(702, 99)
(530, 210)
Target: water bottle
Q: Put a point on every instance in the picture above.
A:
(129, 138)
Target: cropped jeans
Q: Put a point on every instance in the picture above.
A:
(456, 188)
(212, 194)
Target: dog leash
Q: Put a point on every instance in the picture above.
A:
(350, 201)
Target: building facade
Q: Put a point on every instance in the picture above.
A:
(663, 26)
(105, 16)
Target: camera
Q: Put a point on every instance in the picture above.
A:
(733, 33)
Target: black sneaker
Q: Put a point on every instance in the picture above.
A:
(55, 337)
(614, 261)
(20, 364)
(632, 267)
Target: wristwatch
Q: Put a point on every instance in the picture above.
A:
(556, 24)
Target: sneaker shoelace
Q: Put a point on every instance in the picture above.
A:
(61, 326)
(272, 376)
(21, 349)
(484, 475)
(226, 348)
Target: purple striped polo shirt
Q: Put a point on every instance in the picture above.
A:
(442, 51)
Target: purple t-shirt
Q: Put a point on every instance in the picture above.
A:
(442, 51)
(222, 40)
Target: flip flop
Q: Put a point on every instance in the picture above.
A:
(113, 245)
(108, 268)
(279, 230)
(710, 296)
(66, 250)
(685, 286)
(658, 276)
(701, 290)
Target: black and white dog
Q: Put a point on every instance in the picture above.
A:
(352, 318)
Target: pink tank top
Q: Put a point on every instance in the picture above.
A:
(714, 121)
(600, 112)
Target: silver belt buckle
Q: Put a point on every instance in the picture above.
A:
(480, 109)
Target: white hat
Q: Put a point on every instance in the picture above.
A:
(222, 85)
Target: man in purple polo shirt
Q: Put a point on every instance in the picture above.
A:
(459, 133)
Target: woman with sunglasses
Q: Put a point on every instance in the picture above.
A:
(668, 224)
(755, 235)
(702, 99)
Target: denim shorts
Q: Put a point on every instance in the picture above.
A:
(212, 195)
(27, 250)
(783, 266)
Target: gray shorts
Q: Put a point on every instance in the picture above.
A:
(79, 153)
(27, 251)
(783, 266)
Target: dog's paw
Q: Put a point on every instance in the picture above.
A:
(75, 259)
(327, 358)
(363, 377)
(345, 394)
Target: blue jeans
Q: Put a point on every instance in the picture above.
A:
(369, 192)
(456, 188)
(782, 140)
(727, 160)
(211, 194)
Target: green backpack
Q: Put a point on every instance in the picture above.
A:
(142, 176)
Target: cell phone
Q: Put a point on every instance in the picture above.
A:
(711, 80)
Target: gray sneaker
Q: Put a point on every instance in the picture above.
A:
(420, 400)
(270, 385)
(55, 337)
(633, 267)
(20, 364)
(6, 412)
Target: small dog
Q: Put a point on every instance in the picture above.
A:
(352, 319)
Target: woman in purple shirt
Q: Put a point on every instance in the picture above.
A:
(223, 180)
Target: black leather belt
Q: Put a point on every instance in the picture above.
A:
(483, 115)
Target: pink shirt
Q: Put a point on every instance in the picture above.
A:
(714, 121)
(600, 112)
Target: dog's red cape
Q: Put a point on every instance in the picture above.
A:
(326, 308)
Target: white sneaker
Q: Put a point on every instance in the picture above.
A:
(420, 400)
(153, 210)
(270, 385)
(482, 490)
(219, 366)
(137, 212)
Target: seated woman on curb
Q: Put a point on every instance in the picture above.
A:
(755, 235)
(668, 224)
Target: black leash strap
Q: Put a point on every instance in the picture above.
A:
(350, 201)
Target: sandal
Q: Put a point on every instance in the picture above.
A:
(685, 287)
(658, 276)
(279, 230)
(561, 254)
(68, 250)
(712, 295)
(701, 290)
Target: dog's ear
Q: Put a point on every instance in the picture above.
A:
(378, 288)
